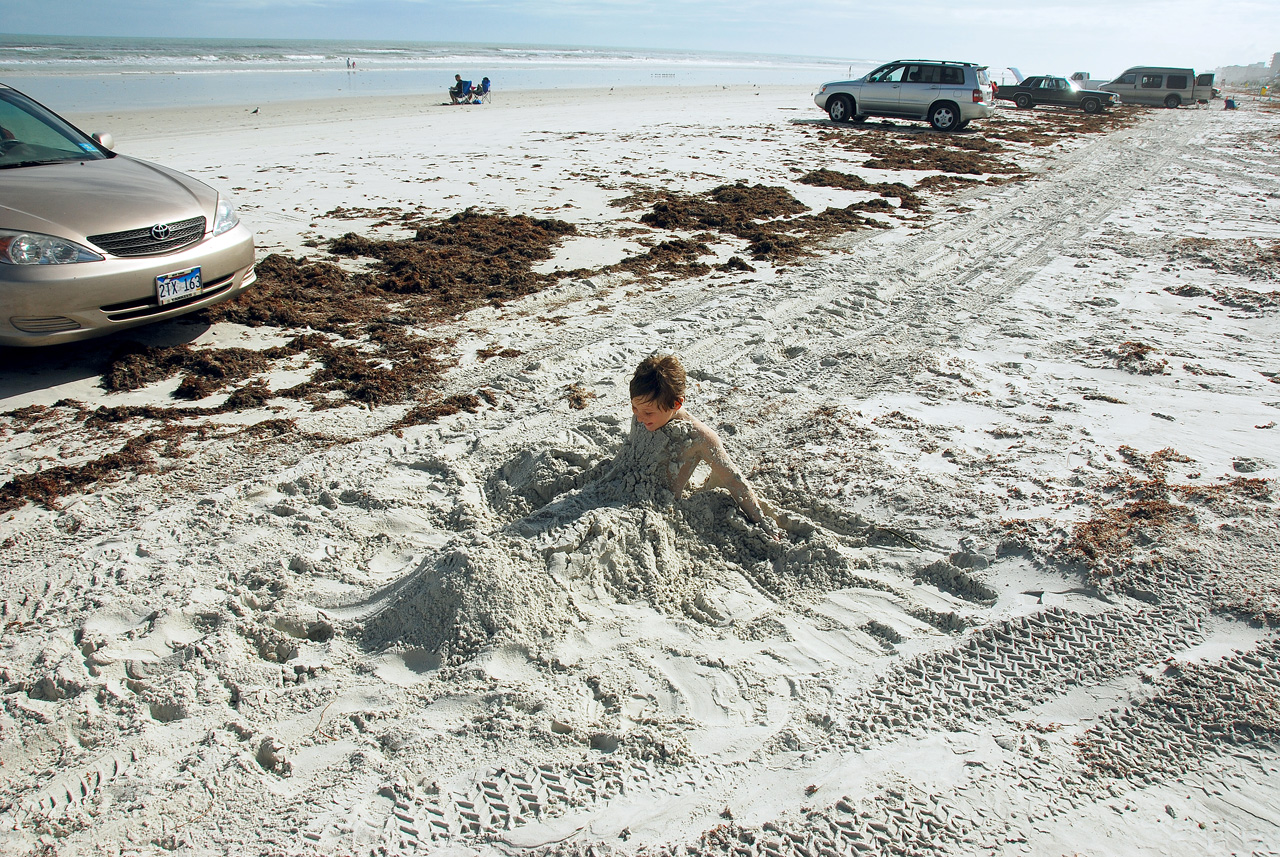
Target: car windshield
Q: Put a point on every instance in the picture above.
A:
(30, 135)
(1074, 86)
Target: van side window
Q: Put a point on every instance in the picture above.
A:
(1127, 78)
(1177, 81)
(1152, 81)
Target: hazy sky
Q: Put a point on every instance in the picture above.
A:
(1099, 36)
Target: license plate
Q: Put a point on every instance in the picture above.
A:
(178, 285)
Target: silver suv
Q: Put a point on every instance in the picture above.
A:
(947, 94)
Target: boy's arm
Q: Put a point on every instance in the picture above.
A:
(709, 448)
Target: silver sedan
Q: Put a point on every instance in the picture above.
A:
(93, 242)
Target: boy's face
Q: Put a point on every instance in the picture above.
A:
(651, 415)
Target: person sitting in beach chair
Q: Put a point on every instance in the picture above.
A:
(480, 94)
(460, 92)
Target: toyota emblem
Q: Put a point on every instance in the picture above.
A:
(161, 231)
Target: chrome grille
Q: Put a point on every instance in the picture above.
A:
(147, 242)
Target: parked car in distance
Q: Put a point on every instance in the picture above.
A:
(1160, 86)
(948, 95)
(93, 242)
(1056, 91)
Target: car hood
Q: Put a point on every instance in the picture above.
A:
(75, 199)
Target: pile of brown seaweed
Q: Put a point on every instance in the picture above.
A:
(772, 221)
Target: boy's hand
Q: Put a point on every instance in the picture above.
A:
(771, 529)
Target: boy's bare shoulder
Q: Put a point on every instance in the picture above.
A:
(698, 430)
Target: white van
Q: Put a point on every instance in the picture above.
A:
(1154, 85)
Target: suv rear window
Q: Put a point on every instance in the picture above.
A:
(944, 74)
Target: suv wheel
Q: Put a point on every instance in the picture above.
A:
(1022, 100)
(944, 116)
(1090, 105)
(1172, 101)
(840, 109)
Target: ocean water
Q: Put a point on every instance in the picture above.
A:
(82, 74)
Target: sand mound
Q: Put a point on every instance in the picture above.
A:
(600, 529)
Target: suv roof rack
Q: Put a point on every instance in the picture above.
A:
(939, 62)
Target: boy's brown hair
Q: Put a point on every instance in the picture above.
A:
(659, 379)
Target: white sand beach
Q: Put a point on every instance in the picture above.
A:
(1023, 435)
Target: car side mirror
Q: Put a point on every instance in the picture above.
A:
(105, 140)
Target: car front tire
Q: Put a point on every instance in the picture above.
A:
(840, 109)
(1091, 105)
(1022, 100)
(944, 116)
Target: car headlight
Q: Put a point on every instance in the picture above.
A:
(32, 248)
(225, 217)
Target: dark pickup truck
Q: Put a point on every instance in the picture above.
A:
(1057, 91)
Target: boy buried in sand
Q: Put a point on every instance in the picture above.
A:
(657, 399)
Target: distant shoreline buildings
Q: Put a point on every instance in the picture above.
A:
(1249, 74)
